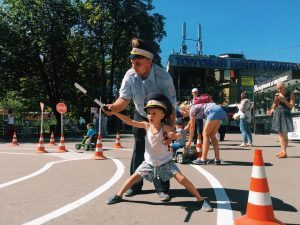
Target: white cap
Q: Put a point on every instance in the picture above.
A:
(155, 103)
(194, 90)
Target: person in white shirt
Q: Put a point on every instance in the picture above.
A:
(10, 124)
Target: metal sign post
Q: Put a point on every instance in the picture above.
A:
(42, 115)
(61, 108)
(99, 118)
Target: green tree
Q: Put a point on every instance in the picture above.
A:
(48, 45)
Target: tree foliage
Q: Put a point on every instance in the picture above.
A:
(48, 45)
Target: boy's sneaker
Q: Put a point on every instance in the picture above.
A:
(164, 197)
(113, 200)
(206, 206)
(199, 162)
(132, 192)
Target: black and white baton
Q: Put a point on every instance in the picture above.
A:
(84, 91)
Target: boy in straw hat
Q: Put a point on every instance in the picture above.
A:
(158, 160)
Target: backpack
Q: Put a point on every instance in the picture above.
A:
(204, 98)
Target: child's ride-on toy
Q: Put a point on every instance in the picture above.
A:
(185, 155)
(87, 145)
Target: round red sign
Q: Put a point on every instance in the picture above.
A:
(61, 108)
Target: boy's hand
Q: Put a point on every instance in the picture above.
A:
(171, 135)
(166, 140)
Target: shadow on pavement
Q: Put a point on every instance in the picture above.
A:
(295, 157)
(239, 200)
(189, 206)
(239, 163)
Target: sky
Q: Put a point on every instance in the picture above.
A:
(260, 29)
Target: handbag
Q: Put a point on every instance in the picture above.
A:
(202, 99)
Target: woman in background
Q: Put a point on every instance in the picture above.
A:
(282, 119)
(245, 120)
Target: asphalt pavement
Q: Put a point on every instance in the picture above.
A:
(71, 187)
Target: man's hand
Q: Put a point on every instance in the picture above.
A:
(111, 108)
(117, 106)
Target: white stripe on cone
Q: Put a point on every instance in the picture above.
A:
(258, 172)
(258, 198)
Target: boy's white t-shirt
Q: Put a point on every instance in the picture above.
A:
(156, 153)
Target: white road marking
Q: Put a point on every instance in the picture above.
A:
(83, 200)
(36, 173)
(224, 211)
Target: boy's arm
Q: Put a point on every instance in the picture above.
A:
(130, 121)
(172, 134)
(175, 136)
(172, 119)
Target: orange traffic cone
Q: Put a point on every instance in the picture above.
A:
(41, 147)
(99, 151)
(14, 140)
(259, 207)
(52, 139)
(199, 147)
(62, 147)
(118, 143)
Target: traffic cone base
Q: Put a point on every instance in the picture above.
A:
(99, 156)
(244, 220)
(62, 149)
(41, 150)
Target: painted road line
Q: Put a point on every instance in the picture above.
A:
(18, 153)
(83, 200)
(36, 173)
(224, 211)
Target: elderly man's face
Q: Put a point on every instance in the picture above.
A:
(141, 66)
(195, 93)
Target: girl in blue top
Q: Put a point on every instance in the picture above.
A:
(213, 115)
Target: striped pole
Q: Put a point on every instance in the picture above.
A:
(259, 207)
